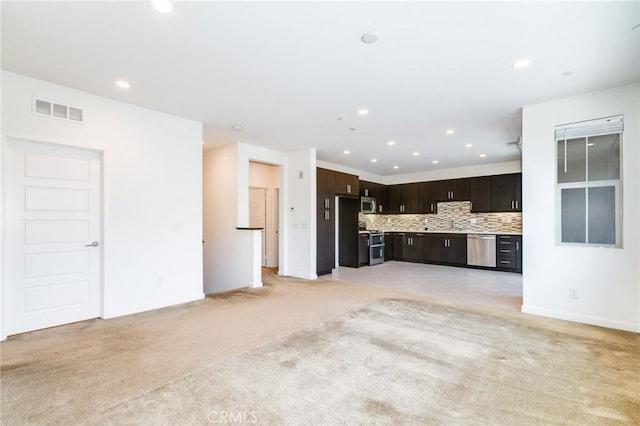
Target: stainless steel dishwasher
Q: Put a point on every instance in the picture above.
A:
(481, 250)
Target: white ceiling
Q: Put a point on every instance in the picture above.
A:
(287, 71)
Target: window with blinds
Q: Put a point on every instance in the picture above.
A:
(588, 182)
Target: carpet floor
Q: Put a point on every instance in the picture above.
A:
(399, 361)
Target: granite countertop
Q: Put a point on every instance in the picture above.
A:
(456, 232)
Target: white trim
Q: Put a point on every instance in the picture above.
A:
(584, 319)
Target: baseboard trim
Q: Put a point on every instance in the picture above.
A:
(601, 322)
(153, 307)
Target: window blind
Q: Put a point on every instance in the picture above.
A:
(598, 127)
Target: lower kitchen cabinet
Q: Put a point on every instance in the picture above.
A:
(509, 252)
(447, 248)
(388, 247)
(409, 246)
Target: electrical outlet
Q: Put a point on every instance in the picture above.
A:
(573, 293)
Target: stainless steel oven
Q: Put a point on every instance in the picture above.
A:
(376, 247)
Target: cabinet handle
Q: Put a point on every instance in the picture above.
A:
(431, 207)
(517, 246)
(348, 189)
(380, 208)
(452, 195)
(505, 262)
(512, 207)
(367, 242)
(516, 204)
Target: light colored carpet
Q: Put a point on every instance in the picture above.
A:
(408, 362)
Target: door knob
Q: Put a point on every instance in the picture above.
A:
(93, 244)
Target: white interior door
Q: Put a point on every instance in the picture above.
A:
(53, 215)
(257, 215)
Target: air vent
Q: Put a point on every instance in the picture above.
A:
(56, 110)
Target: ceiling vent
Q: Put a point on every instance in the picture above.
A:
(55, 110)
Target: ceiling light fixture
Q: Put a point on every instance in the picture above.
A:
(483, 155)
(237, 127)
(163, 6)
(567, 73)
(363, 111)
(396, 167)
(369, 37)
(374, 160)
(415, 154)
(449, 132)
(469, 145)
(435, 162)
(122, 84)
(339, 118)
(522, 63)
(346, 152)
(391, 143)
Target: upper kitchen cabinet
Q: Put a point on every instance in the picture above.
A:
(452, 190)
(346, 184)
(403, 198)
(506, 193)
(480, 194)
(377, 191)
(325, 188)
(426, 200)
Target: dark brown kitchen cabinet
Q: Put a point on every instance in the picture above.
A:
(480, 194)
(409, 246)
(509, 252)
(346, 184)
(403, 198)
(388, 247)
(506, 193)
(450, 249)
(377, 191)
(451, 190)
(363, 249)
(326, 241)
(325, 188)
(427, 203)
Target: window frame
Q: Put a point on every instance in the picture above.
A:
(616, 183)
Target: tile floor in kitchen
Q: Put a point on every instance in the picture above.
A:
(451, 284)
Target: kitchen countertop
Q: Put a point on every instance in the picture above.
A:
(455, 232)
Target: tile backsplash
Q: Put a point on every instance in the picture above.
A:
(454, 216)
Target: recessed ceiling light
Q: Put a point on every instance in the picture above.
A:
(567, 73)
(374, 160)
(352, 129)
(435, 161)
(122, 84)
(469, 145)
(369, 37)
(521, 63)
(483, 155)
(339, 118)
(363, 111)
(415, 154)
(391, 143)
(237, 127)
(163, 6)
(346, 151)
(449, 132)
(396, 167)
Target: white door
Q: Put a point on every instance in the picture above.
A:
(53, 224)
(257, 214)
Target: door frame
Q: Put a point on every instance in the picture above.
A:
(5, 137)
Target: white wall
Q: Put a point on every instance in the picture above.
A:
(263, 175)
(607, 280)
(152, 197)
(232, 257)
(301, 213)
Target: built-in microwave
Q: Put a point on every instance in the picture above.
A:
(367, 205)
